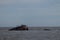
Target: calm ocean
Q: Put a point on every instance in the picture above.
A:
(30, 35)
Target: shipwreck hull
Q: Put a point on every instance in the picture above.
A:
(22, 27)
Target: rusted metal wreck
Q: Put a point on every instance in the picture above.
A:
(22, 27)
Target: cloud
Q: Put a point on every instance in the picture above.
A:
(21, 1)
(53, 10)
(32, 1)
(39, 11)
(7, 2)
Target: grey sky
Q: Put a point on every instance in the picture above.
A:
(30, 12)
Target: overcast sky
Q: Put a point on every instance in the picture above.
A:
(29, 12)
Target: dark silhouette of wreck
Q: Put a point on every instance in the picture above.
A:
(22, 27)
(47, 29)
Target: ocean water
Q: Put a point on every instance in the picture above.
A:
(30, 35)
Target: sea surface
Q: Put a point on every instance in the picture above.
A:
(31, 34)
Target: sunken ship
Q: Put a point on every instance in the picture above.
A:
(22, 27)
